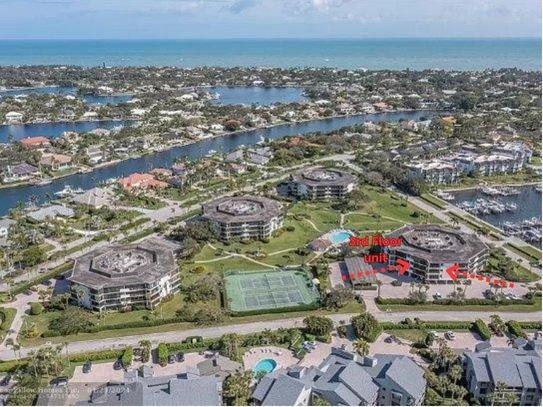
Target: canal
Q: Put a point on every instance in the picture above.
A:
(10, 197)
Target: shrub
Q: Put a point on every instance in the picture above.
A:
(290, 228)
(36, 308)
(366, 326)
(162, 352)
(128, 357)
(482, 329)
(318, 325)
(516, 329)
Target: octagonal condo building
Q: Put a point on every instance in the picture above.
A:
(244, 217)
(120, 277)
(321, 183)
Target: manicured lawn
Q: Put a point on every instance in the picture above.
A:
(438, 307)
(351, 308)
(519, 274)
(413, 335)
(6, 324)
(528, 252)
(434, 201)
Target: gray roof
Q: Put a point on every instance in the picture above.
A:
(96, 197)
(218, 364)
(241, 209)
(361, 271)
(343, 378)
(285, 391)
(319, 176)
(159, 391)
(514, 367)
(112, 266)
(22, 169)
(6, 223)
(438, 243)
(51, 211)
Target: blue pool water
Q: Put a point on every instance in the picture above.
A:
(340, 237)
(265, 365)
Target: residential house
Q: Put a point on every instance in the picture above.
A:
(20, 172)
(14, 118)
(35, 142)
(56, 162)
(95, 154)
(51, 212)
(141, 181)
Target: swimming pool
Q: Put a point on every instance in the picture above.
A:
(339, 236)
(265, 365)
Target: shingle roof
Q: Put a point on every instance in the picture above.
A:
(284, 392)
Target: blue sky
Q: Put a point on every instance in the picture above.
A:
(64, 19)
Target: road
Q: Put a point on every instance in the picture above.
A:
(246, 328)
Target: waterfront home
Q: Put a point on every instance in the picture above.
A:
(35, 142)
(14, 118)
(95, 197)
(56, 162)
(141, 181)
(51, 212)
(345, 378)
(20, 172)
(519, 370)
(94, 154)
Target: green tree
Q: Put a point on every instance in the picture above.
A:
(361, 347)
(237, 389)
(502, 396)
(46, 361)
(229, 346)
(317, 325)
(365, 326)
(71, 321)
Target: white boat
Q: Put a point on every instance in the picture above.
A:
(43, 182)
(67, 191)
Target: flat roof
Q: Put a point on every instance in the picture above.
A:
(437, 243)
(317, 176)
(240, 209)
(119, 265)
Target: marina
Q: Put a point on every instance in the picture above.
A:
(515, 210)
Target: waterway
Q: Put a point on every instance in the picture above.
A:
(10, 197)
(55, 129)
(248, 95)
(68, 91)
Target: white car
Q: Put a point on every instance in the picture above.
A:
(438, 296)
(449, 335)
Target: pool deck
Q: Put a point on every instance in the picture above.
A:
(283, 357)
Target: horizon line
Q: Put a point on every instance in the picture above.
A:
(274, 38)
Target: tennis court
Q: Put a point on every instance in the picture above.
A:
(261, 290)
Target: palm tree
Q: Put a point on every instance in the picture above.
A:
(455, 373)
(361, 347)
(501, 396)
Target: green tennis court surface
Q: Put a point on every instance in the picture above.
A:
(260, 290)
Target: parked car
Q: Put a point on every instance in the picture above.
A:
(389, 339)
(87, 367)
(438, 296)
(396, 283)
(180, 357)
(118, 365)
(28, 292)
(59, 381)
(171, 359)
(449, 335)
(47, 283)
(5, 380)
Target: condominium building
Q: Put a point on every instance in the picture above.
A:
(431, 249)
(518, 371)
(435, 171)
(122, 277)
(321, 183)
(244, 217)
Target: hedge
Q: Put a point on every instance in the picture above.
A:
(53, 273)
(302, 307)
(457, 325)
(162, 352)
(450, 301)
(36, 308)
(109, 354)
(516, 329)
(128, 357)
(482, 329)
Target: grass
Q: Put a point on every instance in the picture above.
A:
(6, 323)
(351, 308)
(412, 335)
(441, 307)
(434, 201)
(530, 253)
(502, 179)
(518, 274)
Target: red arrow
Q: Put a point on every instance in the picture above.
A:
(402, 266)
(452, 271)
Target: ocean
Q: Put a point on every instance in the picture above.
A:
(416, 54)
